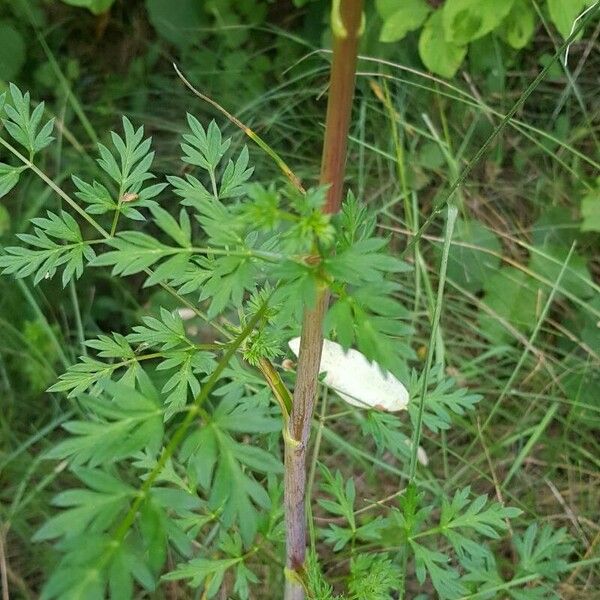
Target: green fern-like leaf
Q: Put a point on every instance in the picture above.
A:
(442, 401)
(445, 579)
(91, 509)
(24, 125)
(130, 168)
(220, 463)
(374, 576)
(463, 518)
(204, 148)
(124, 425)
(543, 550)
(9, 177)
(45, 255)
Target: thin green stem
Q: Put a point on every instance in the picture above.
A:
(55, 188)
(115, 221)
(77, 314)
(313, 469)
(295, 181)
(418, 425)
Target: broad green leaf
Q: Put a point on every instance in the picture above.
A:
(467, 20)
(180, 23)
(407, 16)
(12, 51)
(556, 226)
(590, 332)
(548, 262)
(590, 211)
(475, 254)
(438, 55)
(511, 296)
(95, 6)
(518, 26)
(564, 12)
(553, 233)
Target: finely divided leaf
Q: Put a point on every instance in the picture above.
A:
(442, 402)
(130, 168)
(224, 466)
(92, 509)
(45, 255)
(124, 425)
(23, 125)
(203, 148)
(9, 177)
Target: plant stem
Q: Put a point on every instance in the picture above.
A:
(346, 19)
(437, 314)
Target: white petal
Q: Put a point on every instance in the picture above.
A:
(358, 381)
(185, 314)
(421, 454)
